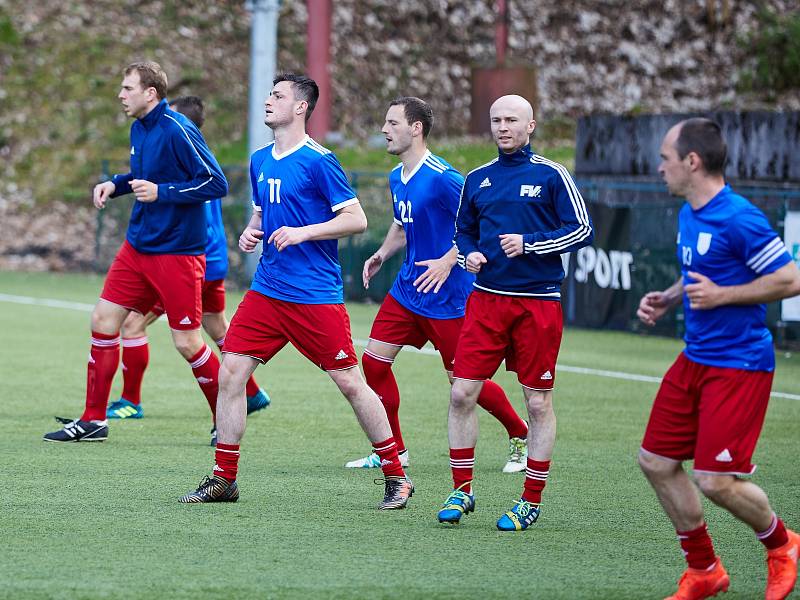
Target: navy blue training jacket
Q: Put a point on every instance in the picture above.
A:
(169, 150)
(526, 194)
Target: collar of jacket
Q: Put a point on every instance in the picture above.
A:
(151, 118)
(517, 157)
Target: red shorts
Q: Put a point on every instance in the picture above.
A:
(711, 414)
(524, 331)
(213, 298)
(397, 326)
(139, 281)
(262, 326)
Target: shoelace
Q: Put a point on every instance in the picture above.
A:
(205, 483)
(457, 495)
(523, 508)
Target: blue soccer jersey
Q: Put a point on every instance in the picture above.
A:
(302, 186)
(425, 206)
(217, 244)
(729, 241)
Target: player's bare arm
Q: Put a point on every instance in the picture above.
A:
(437, 272)
(394, 241)
(511, 243)
(474, 261)
(654, 305)
(704, 294)
(252, 234)
(145, 191)
(102, 192)
(348, 220)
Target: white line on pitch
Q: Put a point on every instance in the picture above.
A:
(359, 342)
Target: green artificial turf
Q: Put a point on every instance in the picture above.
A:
(103, 521)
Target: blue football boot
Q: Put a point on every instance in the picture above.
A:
(519, 518)
(458, 503)
(258, 401)
(123, 409)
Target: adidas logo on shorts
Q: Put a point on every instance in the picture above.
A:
(547, 375)
(341, 356)
(724, 456)
(185, 321)
(485, 183)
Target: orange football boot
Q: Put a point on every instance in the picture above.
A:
(696, 584)
(782, 568)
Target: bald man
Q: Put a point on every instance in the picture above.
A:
(518, 214)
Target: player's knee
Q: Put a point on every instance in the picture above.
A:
(374, 368)
(188, 345)
(462, 397)
(104, 322)
(654, 466)
(714, 486)
(539, 405)
(215, 325)
(350, 383)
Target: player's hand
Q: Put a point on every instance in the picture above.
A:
(474, 262)
(434, 276)
(145, 191)
(703, 294)
(285, 236)
(102, 192)
(652, 307)
(249, 239)
(511, 243)
(371, 266)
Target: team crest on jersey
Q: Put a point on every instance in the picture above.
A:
(703, 242)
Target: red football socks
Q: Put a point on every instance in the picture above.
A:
(390, 462)
(135, 357)
(103, 362)
(697, 547)
(205, 366)
(775, 535)
(379, 376)
(494, 401)
(462, 461)
(226, 458)
(535, 480)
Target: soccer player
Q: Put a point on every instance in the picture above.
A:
(518, 214)
(712, 402)
(173, 174)
(135, 350)
(427, 300)
(302, 205)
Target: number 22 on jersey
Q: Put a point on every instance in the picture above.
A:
(405, 211)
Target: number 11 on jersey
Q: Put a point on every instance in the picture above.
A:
(274, 190)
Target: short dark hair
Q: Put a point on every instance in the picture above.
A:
(304, 87)
(704, 138)
(415, 110)
(151, 75)
(192, 107)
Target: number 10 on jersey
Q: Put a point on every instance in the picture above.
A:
(274, 190)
